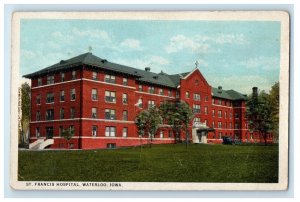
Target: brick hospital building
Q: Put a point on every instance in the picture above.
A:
(97, 101)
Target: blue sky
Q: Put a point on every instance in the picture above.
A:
(234, 54)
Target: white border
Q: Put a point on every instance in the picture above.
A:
(239, 16)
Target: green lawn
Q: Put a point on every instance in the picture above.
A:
(161, 163)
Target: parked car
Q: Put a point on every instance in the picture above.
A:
(227, 140)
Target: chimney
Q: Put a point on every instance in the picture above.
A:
(219, 89)
(147, 69)
(254, 92)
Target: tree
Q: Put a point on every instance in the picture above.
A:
(274, 103)
(25, 117)
(178, 116)
(186, 115)
(148, 121)
(171, 117)
(258, 113)
(67, 134)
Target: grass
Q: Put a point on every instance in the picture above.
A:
(161, 163)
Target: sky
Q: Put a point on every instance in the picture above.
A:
(233, 54)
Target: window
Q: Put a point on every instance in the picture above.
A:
(49, 132)
(177, 94)
(61, 130)
(37, 132)
(169, 93)
(187, 94)
(213, 124)
(94, 76)
(219, 113)
(206, 98)
(220, 135)
(151, 103)
(125, 81)
(38, 115)
(230, 125)
(151, 89)
(125, 132)
(236, 126)
(50, 98)
(161, 91)
(71, 130)
(62, 77)
(110, 114)
(170, 133)
(196, 96)
(125, 98)
(219, 102)
(110, 131)
(205, 110)
(125, 115)
(62, 113)
(236, 115)
(94, 131)
(50, 114)
(38, 99)
(196, 109)
(140, 88)
(40, 81)
(94, 113)
(72, 112)
(225, 115)
(73, 74)
(205, 122)
(161, 134)
(140, 103)
(111, 145)
(62, 96)
(196, 120)
(219, 124)
(50, 79)
(94, 95)
(230, 115)
(213, 101)
(110, 96)
(213, 113)
(73, 94)
(110, 78)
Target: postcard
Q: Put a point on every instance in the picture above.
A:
(185, 100)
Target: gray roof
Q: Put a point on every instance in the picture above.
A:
(92, 60)
(161, 78)
(228, 94)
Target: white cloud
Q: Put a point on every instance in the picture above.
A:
(156, 63)
(131, 43)
(241, 83)
(266, 63)
(94, 33)
(181, 42)
(230, 38)
(203, 43)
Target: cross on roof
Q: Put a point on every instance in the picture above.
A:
(196, 63)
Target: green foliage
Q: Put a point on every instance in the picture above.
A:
(259, 110)
(178, 115)
(147, 122)
(274, 104)
(161, 163)
(67, 134)
(26, 112)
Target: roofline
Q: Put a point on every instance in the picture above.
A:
(190, 73)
